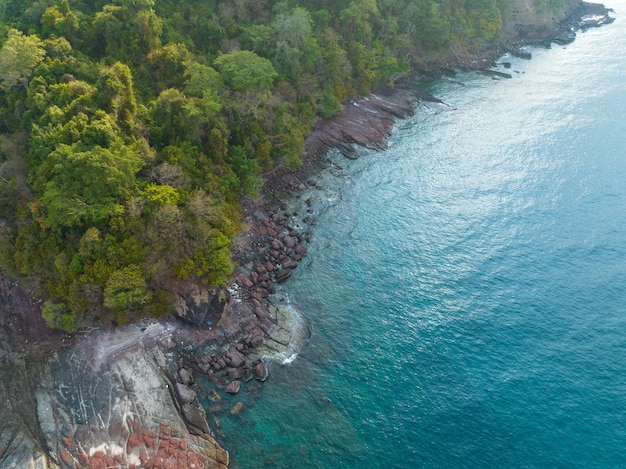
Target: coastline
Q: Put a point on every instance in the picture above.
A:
(247, 321)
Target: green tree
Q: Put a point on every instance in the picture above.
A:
(245, 70)
(126, 289)
(85, 187)
(296, 48)
(19, 57)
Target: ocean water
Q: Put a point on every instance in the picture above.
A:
(466, 288)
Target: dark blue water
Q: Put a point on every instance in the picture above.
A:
(466, 289)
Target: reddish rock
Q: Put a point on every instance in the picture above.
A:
(260, 313)
(233, 387)
(290, 242)
(301, 250)
(236, 358)
(146, 438)
(234, 373)
(245, 282)
(67, 458)
(133, 442)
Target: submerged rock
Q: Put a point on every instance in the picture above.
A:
(237, 408)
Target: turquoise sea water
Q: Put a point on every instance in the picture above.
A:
(466, 288)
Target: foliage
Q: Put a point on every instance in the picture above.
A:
(130, 129)
(19, 56)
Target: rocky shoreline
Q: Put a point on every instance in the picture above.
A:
(130, 396)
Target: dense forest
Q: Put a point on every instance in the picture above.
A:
(130, 130)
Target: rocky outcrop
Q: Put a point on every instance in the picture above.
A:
(124, 411)
(528, 25)
(112, 399)
(366, 122)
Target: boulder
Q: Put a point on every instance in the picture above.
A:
(214, 396)
(233, 387)
(290, 264)
(283, 275)
(261, 371)
(237, 408)
(245, 282)
(185, 393)
(234, 373)
(248, 375)
(290, 242)
(185, 376)
(260, 313)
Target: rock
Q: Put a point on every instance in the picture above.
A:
(248, 375)
(214, 396)
(185, 393)
(245, 282)
(233, 387)
(185, 376)
(261, 371)
(139, 409)
(283, 275)
(234, 373)
(235, 357)
(290, 264)
(260, 313)
(195, 418)
(290, 242)
(237, 408)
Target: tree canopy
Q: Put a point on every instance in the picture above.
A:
(131, 129)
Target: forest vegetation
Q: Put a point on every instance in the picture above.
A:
(131, 129)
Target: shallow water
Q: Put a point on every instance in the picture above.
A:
(466, 288)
